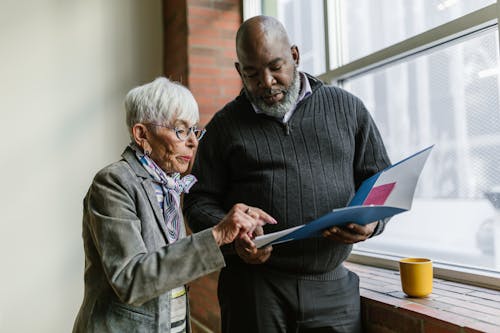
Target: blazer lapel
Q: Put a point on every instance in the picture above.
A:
(147, 184)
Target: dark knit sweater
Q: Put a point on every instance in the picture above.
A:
(296, 172)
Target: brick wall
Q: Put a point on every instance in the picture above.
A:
(205, 310)
(199, 51)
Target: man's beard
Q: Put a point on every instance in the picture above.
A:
(279, 109)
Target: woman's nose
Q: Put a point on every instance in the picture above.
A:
(192, 140)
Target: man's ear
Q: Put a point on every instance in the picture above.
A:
(238, 69)
(295, 54)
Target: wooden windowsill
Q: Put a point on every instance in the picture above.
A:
(452, 306)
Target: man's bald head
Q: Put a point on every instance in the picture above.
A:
(267, 65)
(259, 30)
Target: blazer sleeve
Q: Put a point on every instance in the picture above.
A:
(136, 274)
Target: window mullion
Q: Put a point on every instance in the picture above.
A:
(468, 24)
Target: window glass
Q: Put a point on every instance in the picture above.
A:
(448, 97)
(304, 23)
(368, 26)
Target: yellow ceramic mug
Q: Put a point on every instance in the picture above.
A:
(416, 276)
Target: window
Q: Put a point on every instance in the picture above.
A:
(449, 98)
(428, 71)
(367, 26)
(305, 26)
(304, 23)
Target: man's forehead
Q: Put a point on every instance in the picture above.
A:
(263, 53)
(249, 64)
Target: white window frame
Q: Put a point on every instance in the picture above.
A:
(472, 23)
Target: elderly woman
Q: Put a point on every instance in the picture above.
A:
(137, 256)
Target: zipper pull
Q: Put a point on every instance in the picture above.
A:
(287, 128)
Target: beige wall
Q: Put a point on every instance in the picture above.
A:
(65, 67)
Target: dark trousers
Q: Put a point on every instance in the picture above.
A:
(255, 300)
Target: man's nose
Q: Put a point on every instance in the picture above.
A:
(267, 79)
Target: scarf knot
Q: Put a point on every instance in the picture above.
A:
(178, 184)
(171, 187)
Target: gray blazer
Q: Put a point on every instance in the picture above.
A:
(129, 266)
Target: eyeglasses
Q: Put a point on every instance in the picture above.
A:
(183, 133)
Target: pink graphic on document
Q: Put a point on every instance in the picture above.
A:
(379, 194)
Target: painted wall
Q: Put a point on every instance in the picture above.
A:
(65, 67)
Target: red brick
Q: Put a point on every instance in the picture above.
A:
(436, 315)
(202, 90)
(203, 51)
(230, 82)
(430, 302)
(201, 11)
(392, 319)
(227, 27)
(201, 40)
(204, 31)
(230, 74)
(227, 7)
(205, 118)
(204, 71)
(382, 298)
(202, 60)
(431, 326)
(203, 301)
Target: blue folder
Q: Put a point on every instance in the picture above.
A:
(402, 175)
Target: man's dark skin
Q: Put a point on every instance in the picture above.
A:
(266, 65)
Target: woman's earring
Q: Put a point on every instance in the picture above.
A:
(146, 148)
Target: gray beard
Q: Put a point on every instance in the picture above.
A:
(279, 109)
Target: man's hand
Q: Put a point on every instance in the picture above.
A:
(249, 253)
(351, 233)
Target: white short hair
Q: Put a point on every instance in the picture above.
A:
(161, 101)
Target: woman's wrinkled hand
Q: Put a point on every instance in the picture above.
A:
(240, 223)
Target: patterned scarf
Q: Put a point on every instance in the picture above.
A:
(168, 191)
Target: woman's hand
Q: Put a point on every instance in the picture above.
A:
(240, 222)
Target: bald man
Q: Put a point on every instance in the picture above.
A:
(297, 149)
